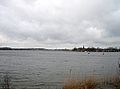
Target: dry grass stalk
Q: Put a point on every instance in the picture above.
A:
(85, 84)
(116, 82)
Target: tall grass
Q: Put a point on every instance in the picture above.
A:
(89, 83)
(92, 83)
(116, 82)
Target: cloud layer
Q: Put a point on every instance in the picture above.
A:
(59, 23)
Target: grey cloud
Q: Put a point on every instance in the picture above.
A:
(59, 22)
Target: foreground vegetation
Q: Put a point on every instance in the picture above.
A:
(88, 83)
(84, 84)
(93, 83)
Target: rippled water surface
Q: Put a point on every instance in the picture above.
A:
(48, 69)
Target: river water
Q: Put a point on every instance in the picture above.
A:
(34, 69)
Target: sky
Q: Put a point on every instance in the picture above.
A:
(60, 23)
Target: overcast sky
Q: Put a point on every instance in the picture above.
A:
(59, 23)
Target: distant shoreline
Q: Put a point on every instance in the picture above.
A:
(92, 49)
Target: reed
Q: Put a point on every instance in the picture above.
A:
(115, 81)
(89, 83)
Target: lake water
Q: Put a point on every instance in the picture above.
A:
(48, 69)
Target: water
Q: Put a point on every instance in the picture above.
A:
(48, 69)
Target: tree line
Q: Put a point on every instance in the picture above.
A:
(93, 49)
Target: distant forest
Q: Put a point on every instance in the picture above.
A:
(93, 49)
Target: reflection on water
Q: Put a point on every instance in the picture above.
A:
(48, 69)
